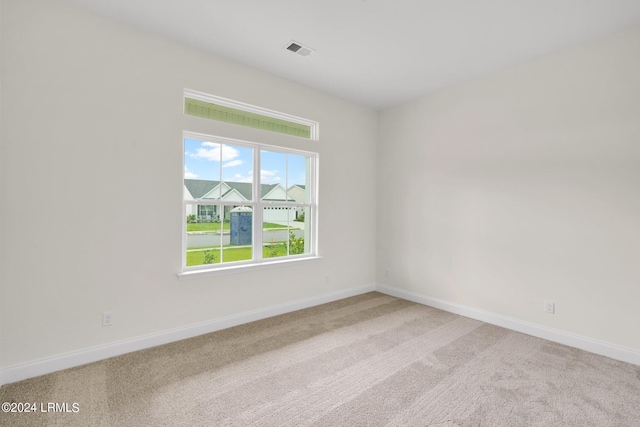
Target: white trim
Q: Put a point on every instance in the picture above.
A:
(243, 143)
(242, 266)
(257, 213)
(93, 354)
(602, 348)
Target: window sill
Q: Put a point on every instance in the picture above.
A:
(194, 274)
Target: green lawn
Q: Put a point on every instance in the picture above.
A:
(207, 226)
(215, 226)
(236, 254)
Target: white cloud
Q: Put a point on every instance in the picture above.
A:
(233, 163)
(269, 177)
(211, 151)
(189, 175)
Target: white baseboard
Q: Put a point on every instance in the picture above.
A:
(584, 343)
(93, 354)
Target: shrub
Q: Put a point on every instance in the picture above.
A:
(209, 257)
(296, 245)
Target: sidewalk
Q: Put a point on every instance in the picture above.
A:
(294, 224)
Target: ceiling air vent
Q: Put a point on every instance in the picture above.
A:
(299, 48)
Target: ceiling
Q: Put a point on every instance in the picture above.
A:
(377, 53)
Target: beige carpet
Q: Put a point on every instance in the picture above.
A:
(370, 360)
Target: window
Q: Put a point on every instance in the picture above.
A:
(225, 110)
(236, 217)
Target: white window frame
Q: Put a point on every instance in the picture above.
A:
(257, 207)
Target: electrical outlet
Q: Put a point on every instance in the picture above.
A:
(327, 279)
(107, 318)
(387, 272)
(550, 307)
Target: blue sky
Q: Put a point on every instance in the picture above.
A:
(202, 160)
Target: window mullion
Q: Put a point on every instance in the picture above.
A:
(222, 218)
(286, 189)
(257, 207)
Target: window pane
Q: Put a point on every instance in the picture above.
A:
(298, 178)
(238, 242)
(236, 165)
(302, 231)
(283, 231)
(273, 176)
(204, 238)
(201, 169)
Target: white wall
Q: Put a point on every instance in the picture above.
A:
(522, 187)
(95, 107)
(498, 194)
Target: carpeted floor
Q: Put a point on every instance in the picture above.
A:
(370, 360)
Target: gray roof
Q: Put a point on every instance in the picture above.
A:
(199, 187)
